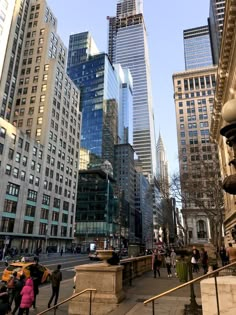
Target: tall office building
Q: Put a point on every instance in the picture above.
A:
(197, 48)
(13, 23)
(216, 23)
(97, 80)
(125, 105)
(6, 14)
(198, 157)
(162, 166)
(128, 46)
(45, 109)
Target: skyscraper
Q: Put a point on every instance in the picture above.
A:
(128, 47)
(197, 47)
(44, 141)
(162, 164)
(13, 23)
(98, 82)
(216, 23)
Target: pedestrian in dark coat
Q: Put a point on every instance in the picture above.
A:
(223, 256)
(56, 279)
(204, 260)
(156, 262)
(18, 288)
(4, 300)
(36, 277)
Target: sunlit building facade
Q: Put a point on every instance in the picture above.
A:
(128, 46)
(197, 48)
(45, 109)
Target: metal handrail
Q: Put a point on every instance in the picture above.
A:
(68, 299)
(212, 273)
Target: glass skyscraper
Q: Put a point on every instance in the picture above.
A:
(98, 82)
(197, 48)
(128, 47)
(216, 23)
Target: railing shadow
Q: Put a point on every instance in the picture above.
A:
(193, 308)
(56, 307)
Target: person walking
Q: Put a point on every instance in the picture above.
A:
(27, 297)
(56, 279)
(61, 251)
(223, 256)
(156, 262)
(194, 261)
(36, 277)
(173, 258)
(11, 287)
(18, 288)
(204, 260)
(231, 253)
(168, 265)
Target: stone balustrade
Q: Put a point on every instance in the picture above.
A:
(108, 281)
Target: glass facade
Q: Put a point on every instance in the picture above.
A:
(128, 47)
(197, 48)
(216, 23)
(99, 97)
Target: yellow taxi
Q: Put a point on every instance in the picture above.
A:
(25, 268)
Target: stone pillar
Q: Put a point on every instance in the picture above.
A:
(107, 280)
(226, 294)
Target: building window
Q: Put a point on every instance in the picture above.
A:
(44, 214)
(32, 195)
(38, 132)
(10, 206)
(56, 203)
(8, 169)
(22, 175)
(2, 132)
(37, 181)
(18, 157)
(55, 216)
(24, 161)
(13, 189)
(46, 200)
(7, 224)
(15, 172)
(34, 151)
(31, 179)
(10, 154)
(28, 227)
(41, 109)
(30, 210)
(27, 146)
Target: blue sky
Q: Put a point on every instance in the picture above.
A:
(165, 22)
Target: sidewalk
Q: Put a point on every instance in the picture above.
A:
(146, 287)
(142, 289)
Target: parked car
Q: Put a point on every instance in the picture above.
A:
(24, 268)
(93, 256)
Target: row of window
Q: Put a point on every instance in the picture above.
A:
(195, 141)
(197, 157)
(7, 225)
(11, 207)
(194, 133)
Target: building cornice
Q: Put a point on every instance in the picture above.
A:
(225, 70)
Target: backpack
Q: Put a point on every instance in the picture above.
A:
(11, 283)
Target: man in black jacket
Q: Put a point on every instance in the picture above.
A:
(56, 279)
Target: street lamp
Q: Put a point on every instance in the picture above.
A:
(229, 131)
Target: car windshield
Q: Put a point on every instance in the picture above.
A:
(15, 268)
